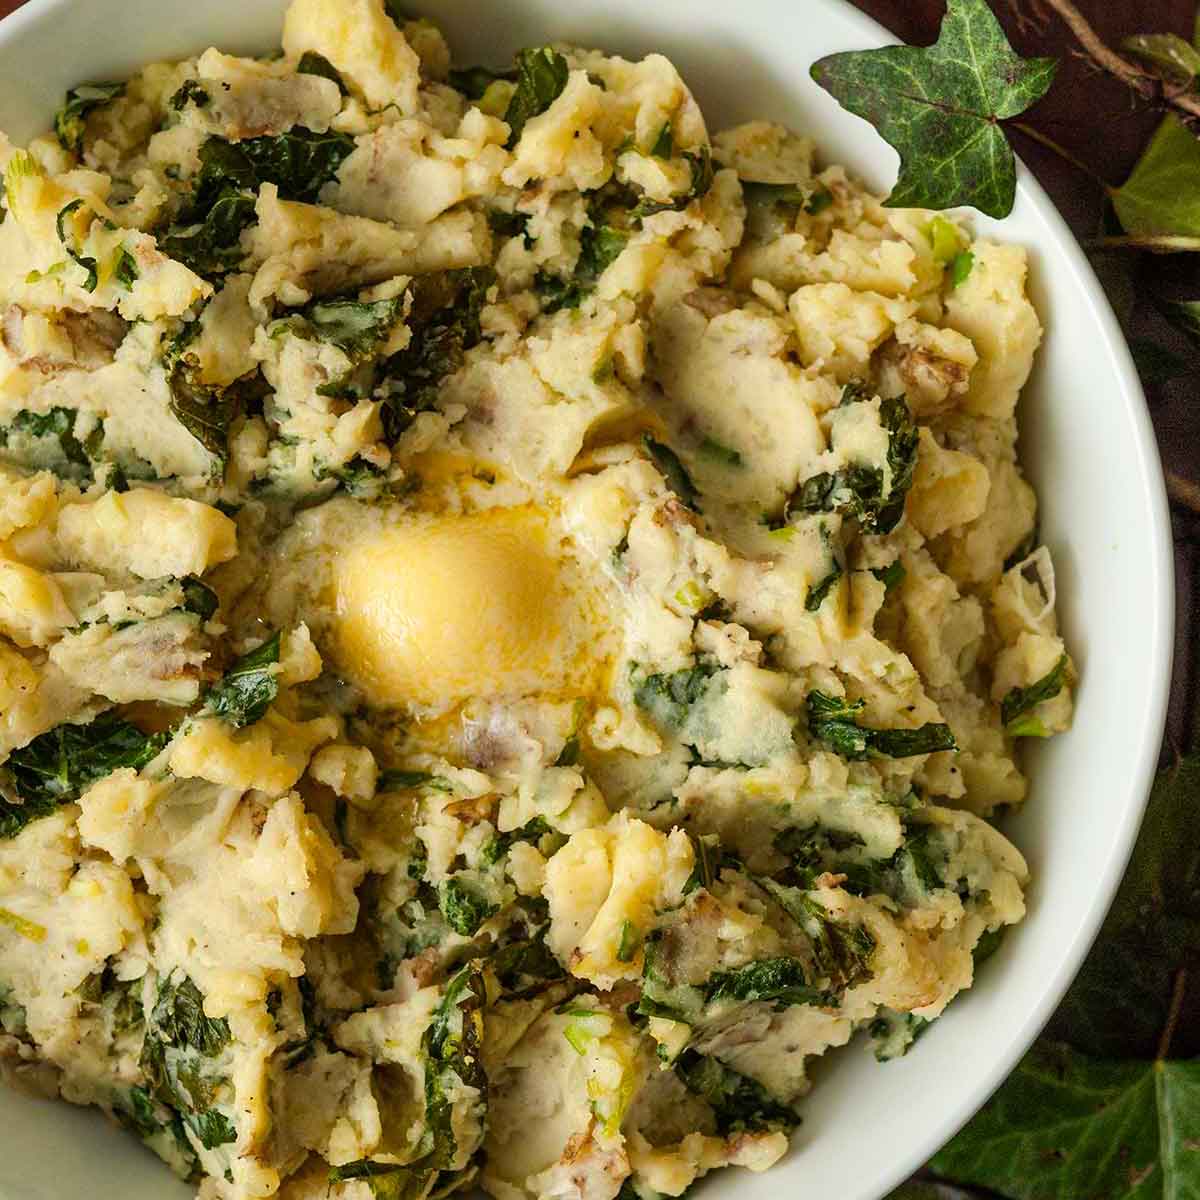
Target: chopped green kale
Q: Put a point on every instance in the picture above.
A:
(703, 174)
(312, 63)
(781, 981)
(385, 1181)
(85, 261)
(1016, 709)
(818, 593)
(353, 326)
(600, 246)
(891, 576)
(812, 200)
(474, 81)
(464, 906)
(56, 767)
(833, 721)
(444, 320)
(673, 471)
(453, 1046)
(894, 1033)
(669, 698)
(738, 1102)
(198, 597)
(191, 91)
(206, 235)
(532, 831)
(70, 122)
(541, 76)
(874, 496)
(47, 439)
(177, 1059)
(245, 692)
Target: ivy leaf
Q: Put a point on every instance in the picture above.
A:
(1064, 1125)
(941, 106)
(1161, 196)
(1167, 53)
(1119, 1003)
(1158, 365)
(933, 1189)
(1184, 315)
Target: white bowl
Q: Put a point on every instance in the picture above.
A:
(1087, 444)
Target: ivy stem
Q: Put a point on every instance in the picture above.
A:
(1183, 492)
(1043, 140)
(1164, 1042)
(1155, 243)
(1150, 87)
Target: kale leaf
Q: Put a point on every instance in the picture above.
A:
(444, 320)
(208, 412)
(126, 271)
(673, 471)
(703, 174)
(463, 906)
(541, 76)
(474, 81)
(209, 245)
(453, 1046)
(1016, 709)
(818, 593)
(870, 494)
(600, 245)
(56, 767)
(669, 698)
(532, 831)
(525, 964)
(86, 262)
(385, 1181)
(298, 162)
(941, 107)
(358, 328)
(245, 692)
(47, 439)
(891, 576)
(179, 1020)
(738, 1102)
(70, 122)
(176, 1056)
(198, 598)
(812, 199)
(312, 63)
(779, 980)
(894, 1033)
(206, 235)
(832, 721)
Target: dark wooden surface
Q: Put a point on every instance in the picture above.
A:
(1095, 118)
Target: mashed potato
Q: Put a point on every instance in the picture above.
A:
(514, 617)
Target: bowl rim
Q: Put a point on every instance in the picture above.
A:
(1146, 739)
